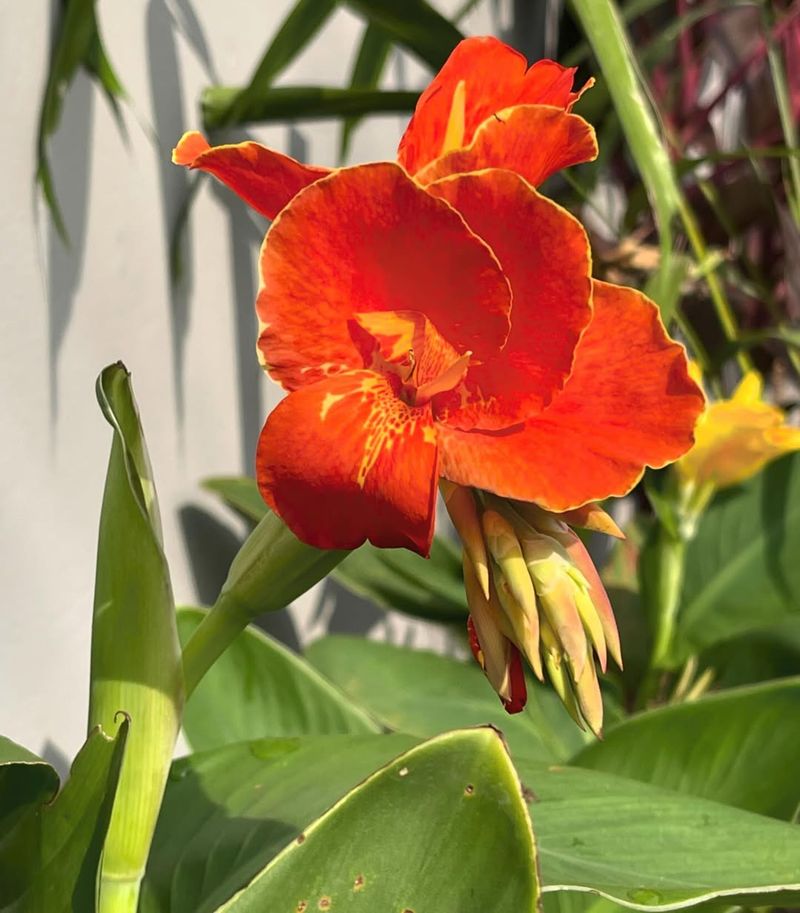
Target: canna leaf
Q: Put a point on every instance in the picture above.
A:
(136, 661)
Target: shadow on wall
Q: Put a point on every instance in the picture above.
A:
(70, 152)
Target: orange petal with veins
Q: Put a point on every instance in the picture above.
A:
(345, 460)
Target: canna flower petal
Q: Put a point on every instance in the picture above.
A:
(364, 240)
(263, 178)
(535, 141)
(629, 403)
(489, 75)
(736, 438)
(345, 460)
(544, 252)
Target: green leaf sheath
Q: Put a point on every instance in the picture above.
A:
(136, 665)
(260, 688)
(50, 853)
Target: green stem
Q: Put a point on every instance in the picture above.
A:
(223, 624)
(670, 556)
(721, 305)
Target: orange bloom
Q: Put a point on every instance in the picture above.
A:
(436, 317)
(482, 110)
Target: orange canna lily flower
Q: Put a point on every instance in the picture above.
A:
(480, 111)
(436, 318)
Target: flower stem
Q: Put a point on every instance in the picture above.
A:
(118, 895)
(667, 576)
(213, 636)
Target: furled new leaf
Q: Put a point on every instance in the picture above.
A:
(136, 661)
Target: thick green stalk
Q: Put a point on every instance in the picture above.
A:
(664, 581)
(271, 569)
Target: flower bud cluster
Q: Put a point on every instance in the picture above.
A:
(533, 591)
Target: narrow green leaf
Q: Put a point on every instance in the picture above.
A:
(415, 24)
(367, 71)
(742, 572)
(240, 493)
(283, 103)
(76, 44)
(49, 859)
(653, 849)
(136, 662)
(456, 797)
(424, 694)
(738, 747)
(260, 688)
(605, 31)
(303, 22)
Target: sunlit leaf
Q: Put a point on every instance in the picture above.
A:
(136, 660)
(260, 688)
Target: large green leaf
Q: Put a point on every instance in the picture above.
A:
(136, 660)
(393, 578)
(652, 848)
(443, 827)
(50, 855)
(421, 693)
(260, 688)
(742, 571)
(740, 747)
(282, 103)
(415, 24)
(228, 813)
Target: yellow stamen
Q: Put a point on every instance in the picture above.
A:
(454, 134)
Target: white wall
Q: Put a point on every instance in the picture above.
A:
(67, 313)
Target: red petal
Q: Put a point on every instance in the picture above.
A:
(544, 252)
(629, 403)
(496, 77)
(533, 140)
(345, 460)
(263, 178)
(519, 691)
(369, 239)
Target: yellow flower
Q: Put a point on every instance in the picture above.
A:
(734, 439)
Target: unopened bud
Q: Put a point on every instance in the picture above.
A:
(504, 547)
(463, 511)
